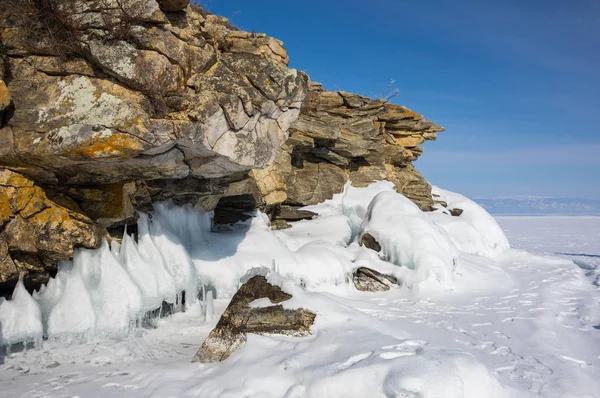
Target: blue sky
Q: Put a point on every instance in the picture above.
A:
(515, 83)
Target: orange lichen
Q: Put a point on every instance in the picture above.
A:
(4, 95)
(119, 146)
(24, 195)
(5, 211)
(12, 179)
(393, 111)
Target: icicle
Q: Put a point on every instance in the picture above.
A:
(210, 306)
(204, 301)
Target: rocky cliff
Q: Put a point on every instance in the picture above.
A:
(339, 137)
(109, 106)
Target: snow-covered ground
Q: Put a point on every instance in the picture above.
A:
(473, 319)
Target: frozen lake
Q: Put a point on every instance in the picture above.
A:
(532, 326)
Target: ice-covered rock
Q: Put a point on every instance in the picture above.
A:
(474, 230)
(408, 238)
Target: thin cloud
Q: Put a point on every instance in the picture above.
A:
(572, 155)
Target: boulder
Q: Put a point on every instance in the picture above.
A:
(456, 212)
(36, 232)
(166, 98)
(368, 241)
(240, 318)
(368, 280)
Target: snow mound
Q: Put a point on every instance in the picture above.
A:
(475, 231)
(352, 203)
(408, 238)
(20, 318)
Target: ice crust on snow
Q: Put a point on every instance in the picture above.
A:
(116, 286)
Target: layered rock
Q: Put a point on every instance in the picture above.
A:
(369, 280)
(241, 318)
(339, 137)
(109, 103)
(107, 107)
(36, 231)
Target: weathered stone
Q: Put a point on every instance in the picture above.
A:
(35, 232)
(239, 319)
(368, 241)
(456, 212)
(106, 204)
(225, 108)
(368, 280)
(341, 136)
(291, 213)
(314, 183)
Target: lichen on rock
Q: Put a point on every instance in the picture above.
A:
(35, 231)
(108, 107)
(341, 136)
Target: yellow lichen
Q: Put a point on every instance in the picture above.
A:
(120, 146)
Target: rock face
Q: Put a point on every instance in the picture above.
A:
(369, 280)
(239, 319)
(36, 231)
(339, 137)
(107, 107)
(114, 105)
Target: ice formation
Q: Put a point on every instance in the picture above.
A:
(475, 231)
(113, 289)
(408, 238)
(20, 318)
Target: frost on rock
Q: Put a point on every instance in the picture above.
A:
(474, 231)
(20, 318)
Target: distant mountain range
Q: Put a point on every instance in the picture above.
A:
(537, 205)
